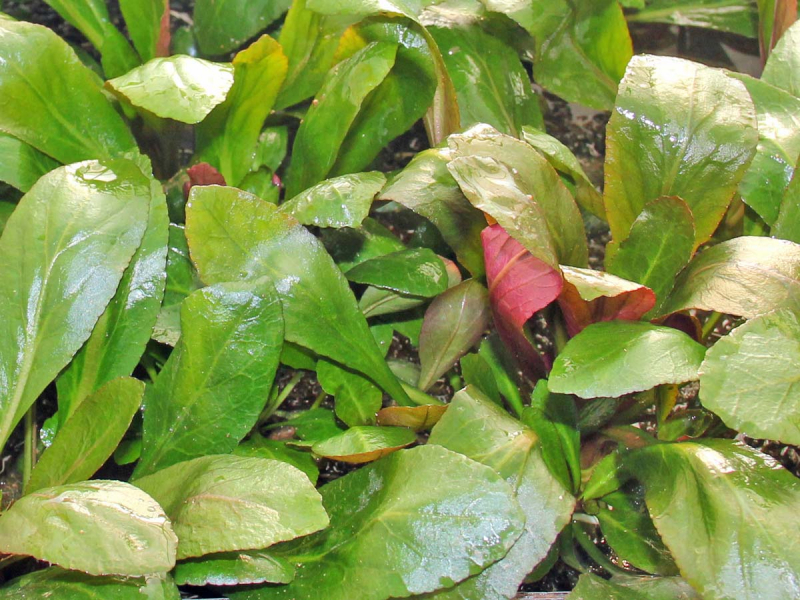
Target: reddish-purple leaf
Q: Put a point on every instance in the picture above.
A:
(593, 296)
(202, 174)
(519, 285)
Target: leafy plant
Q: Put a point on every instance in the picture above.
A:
(299, 373)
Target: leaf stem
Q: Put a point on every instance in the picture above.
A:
(594, 552)
(318, 400)
(274, 404)
(709, 326)
(29, 454)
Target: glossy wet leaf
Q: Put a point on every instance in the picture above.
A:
(60, 584)
(64, 250)
(629, 530)
(733, 16)
(787, 226)
(121, 333)
(564, 161)
(261, 447)
(179, 87)
(417, 272)
(84, 444)
(781, 68)
(234, 568)
(328, 120)
(148, 26)
(456, 518)
(659, 245)
(338, 202)
(594, 587)
(514, 184)
(453, 324)
(21, 165)
(417, 418)
(704, 499)
(223, 25)
(222, 503)
(228, 137)
(618, 357)
(217, 380)
(363, 444)
(592, 296)
(356, 398)
(99, 527)
(181, 281)
(746, 276)
(426, 187)
(778, 147)
(58, 106)
(233, 235)
(476, 427)
(678, 129)
(750, 377)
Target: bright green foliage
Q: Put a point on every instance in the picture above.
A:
(144, 19)
(223, 25)
(363, 444)
(234, 568)
(59, 584)
(338, 202)
(21, 165)
(735, 16)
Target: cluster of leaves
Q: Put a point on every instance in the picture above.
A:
(163, 310)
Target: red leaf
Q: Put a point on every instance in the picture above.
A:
(202, 174)
(162, 44)
(519, 285)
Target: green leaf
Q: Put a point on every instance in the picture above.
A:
(778, 147)
(787, 226)
(233, 235)
(179, 87)
(349, 247)
(678, 129)
(215, 383)
(734, 16)
(338, 202)
(145, 20)
(58, 106)
(64, 250)
(618, 357)
(327, 122)
(426, 187)
(21, 165)
(272, 147)
(491, 84)
(99, 527)
(513, 183)
(357, 399)
(123, 330)
(629, 530)
(91, 18)
(593, 587)
(476, 427)
(725, 512)
(437, 504)
(182, 280)
(314, 425)
(58, 584)
(659, 245)
(6, 210)
(783, 62)
(750, 377)
(418, 272)
(745, 276)
(565, 162)
(418, 418)
(476, 372)
(228, 137)
(260, 447)
(454, 322)
(223, 503)
(234, 568)
(224, 25)
(363, 443)
(84, 444)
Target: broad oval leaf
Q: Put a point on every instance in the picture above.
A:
(678, 129)
(453, 323)
(706, 499)
(338, 202)
(180, 87)
(59, 584)
(417, 418)
(260, 447)
(618, 357)
(215, 383)
(222, 503)
(721, 15)
(64, 250)
(745, 276)
(750, 377)
(594, 587)
(99, 527)
(234, 235)
(21, 165)
(417, 272)
(84, 444)
(783, 62)
(356, 398)
(364, 444)
(223, 25)
(58, 106)
(234, 568)
(450, 517)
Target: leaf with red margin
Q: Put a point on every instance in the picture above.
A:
(593, 296)
(519, 285)
(202, 174)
